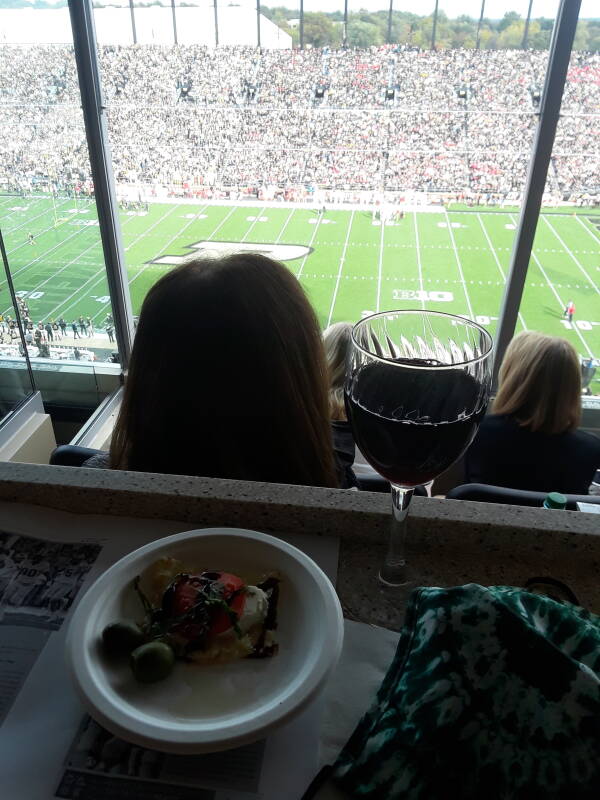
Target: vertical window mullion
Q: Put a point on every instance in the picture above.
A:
(94, 114)
(556, 75)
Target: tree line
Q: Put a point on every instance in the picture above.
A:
(370, 28)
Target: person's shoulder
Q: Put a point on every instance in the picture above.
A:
(98, 461)
(586, 439)
(496, 423)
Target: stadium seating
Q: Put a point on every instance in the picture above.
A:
(223, 138)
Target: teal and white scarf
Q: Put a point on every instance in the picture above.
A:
(493, 694)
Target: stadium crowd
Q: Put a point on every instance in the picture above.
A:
(53, 338)
(234, 118)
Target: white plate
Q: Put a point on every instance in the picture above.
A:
(207, 708)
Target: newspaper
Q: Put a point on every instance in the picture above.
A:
(49, 747)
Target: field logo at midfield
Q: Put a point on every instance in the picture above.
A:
(280, 252)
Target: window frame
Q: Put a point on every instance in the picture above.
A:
(84, 39)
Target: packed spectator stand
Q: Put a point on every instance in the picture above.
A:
(389, 118)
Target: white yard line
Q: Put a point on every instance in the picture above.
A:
(560, 301)
(310, 244)
(102, 270)
(380, 262)
(340, 270)
(51, 250)
(97, 243)
(418, 243)
(220, 225)
(145, 266)
(591, 233)
(28, 221)
(497, 260)
(35, 289)
(170, 242)
(259, 213)
(36, 235)
(5, 204)
(462, 277)
(570, 252)
(285, 224)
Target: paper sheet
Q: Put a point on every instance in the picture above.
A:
(367, 654)
(48, 747)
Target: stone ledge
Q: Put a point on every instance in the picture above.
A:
(449, 542)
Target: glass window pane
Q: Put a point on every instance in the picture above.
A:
(47, 211)
(418, 156)
(565, 262)
(15, 378)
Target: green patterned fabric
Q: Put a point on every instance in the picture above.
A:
(494, 693)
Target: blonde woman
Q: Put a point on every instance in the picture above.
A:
(530, 440)
(336, 339)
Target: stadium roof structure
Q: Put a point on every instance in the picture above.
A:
(195, 25)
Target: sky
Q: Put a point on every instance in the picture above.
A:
(494, 9)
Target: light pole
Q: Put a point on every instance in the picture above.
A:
(479, 24)
(132, 12)
(435, 18)
(526, 31)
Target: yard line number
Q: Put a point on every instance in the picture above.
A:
(419, 294)
(582, 324)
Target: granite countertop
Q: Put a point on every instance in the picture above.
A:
(449, 542)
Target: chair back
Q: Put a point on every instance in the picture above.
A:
(70, 455)
(485, 493)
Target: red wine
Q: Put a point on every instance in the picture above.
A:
(412, 424)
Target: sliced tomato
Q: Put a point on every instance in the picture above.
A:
(182, 595)
(185, 593)
(230, 583)
(222, 621)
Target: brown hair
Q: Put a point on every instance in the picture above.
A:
(540, 383)
(227, 378)
(337, 339)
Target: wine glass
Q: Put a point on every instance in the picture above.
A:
(417, 386)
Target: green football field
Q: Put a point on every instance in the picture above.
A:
(349, 264)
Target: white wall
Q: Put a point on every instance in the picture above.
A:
(27, 434)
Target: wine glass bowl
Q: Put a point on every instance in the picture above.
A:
(417, 386)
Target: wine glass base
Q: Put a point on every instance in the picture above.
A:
(394, 576)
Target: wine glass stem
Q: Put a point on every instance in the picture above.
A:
(393, 572)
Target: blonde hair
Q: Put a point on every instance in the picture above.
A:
(337, 338)
(540, 383)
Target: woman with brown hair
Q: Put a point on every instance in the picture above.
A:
(530, 440)
(238, 386)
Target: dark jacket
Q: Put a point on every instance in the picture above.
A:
(344, 450)
(506, 454)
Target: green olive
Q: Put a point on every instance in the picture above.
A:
(152, 661)
(120, 638)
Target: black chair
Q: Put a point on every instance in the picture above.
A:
(484, 493)
(71, 455)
